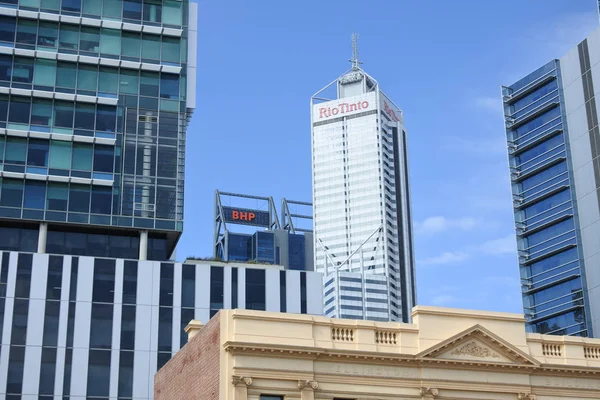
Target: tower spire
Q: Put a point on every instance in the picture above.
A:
(355, 62)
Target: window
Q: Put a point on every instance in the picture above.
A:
(23, 70)
(60, 154)
(101, 326)
(112, 9)
(130, 283)
(104, 281)
(130, 45)
(27, 32)
(125, 374)
(98, 381)
(47, 371)
(66, 74)
(79, 198)
(128, 328)
(132, 9)
(106, 117)
(5, 71)
(84, 116)
(7, 29)
(110, 41)
(129, 82)
(87, 78)
(255, 289)
(150, 47)
(172, 12)
(37, 154)
(101, 200)
(82, 156)
(152, 11)
(12, 193)
(89, 39)
(16, 150)
(92, 7)
(63, 114)
(170, 50)
(71, 5)
(44, 73)
(270, 397)
(103, 158)
(48, 35)
(19, 110)
(216, 288)
(69, 36)
(35, 195)
(41, 112)
(149, 83)
(169, 86)
(109, 78)
(57, 196)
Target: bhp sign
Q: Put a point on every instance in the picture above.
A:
(244, 216)
(342, 108)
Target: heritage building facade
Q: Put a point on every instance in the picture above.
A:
(444, 354)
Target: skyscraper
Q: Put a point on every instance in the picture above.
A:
(554, 148)
(94, 100)
(361, 200)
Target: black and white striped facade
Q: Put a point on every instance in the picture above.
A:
(85, 327)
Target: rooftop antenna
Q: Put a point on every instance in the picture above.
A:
(354, 60)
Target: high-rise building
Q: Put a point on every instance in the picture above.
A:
(269, 240)
(361, 200)
(554, 148)
(94, 101)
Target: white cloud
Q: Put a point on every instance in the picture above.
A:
(448, 257)
(439, 224)
(497, 247)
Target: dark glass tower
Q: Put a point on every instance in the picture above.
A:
(94, 103)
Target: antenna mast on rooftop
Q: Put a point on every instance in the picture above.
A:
(355, 62)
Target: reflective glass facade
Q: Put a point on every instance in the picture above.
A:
(93, 113)
(547, 224)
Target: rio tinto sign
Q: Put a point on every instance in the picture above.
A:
(344, 107)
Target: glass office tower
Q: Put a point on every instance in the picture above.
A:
(95, 96)
(554, 147)
(361, 197)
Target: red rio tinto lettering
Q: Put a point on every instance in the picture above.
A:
(388, 110)
(342, 108)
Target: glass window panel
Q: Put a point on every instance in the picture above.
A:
(150, 47)
(5, 67)
(11, 194)
(7, 29)
(172, 12)
(112, 9)
(129, 82)
(106, 118)
(45, 72)
(19, 110)
(87, 78)
(69, 36)
(132, 9)
(27, 32)
(92, 7)
(82, 156)
(149, 83)
(89, 39)
(23, 70)
(84, 116)
(48, 34)
(103, 158)
(169, 86)
(71, 5)
(50, 4)
(101, 200)
(57, 196)
(35, 195)
(63, 114)
(98, 379)
(30, 3)
(152, 11)
(41, 112)
(37, 154)
(1, 149)
(110, 80)
(79, 198)
(16, 151)
(66, 75)
(131, 45)
(60, 154)
(110, 41)
(170, 50)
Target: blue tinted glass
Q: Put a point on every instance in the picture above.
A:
(101, 200)
(540, 149)
(265, 247)
(169, 86)
(35, 195)
(7, 29)
(550, 232)
(533, 76)
(537, 122)
(11, 194)
(103, 158)
(239, 247)
(37, 154)
(547, 204)
(297, 257)
(255, 289)
(535, 95)
(545, 175)
(565, 324)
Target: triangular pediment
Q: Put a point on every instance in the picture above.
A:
(478, 344)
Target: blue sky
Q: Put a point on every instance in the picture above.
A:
(442, 62)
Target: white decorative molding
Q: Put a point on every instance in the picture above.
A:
(472, 348)
(241, 380)
(429, 391)
(306, 384)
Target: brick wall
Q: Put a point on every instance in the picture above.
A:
(193, 373)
